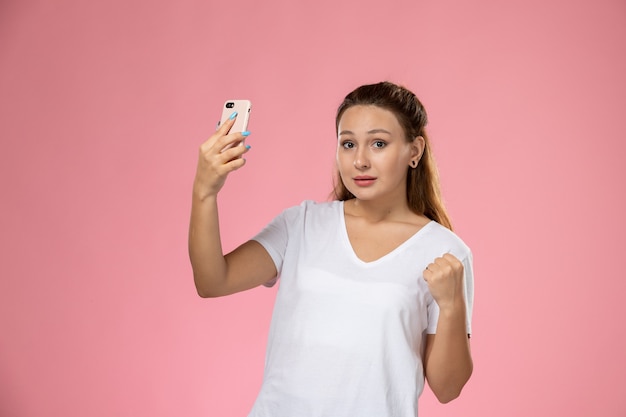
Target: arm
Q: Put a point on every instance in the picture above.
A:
(447, 359)
(247, 266)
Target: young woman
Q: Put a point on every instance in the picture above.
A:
(375, 289)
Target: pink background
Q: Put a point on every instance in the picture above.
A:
(103, 105)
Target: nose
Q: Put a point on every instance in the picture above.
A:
(361, 161)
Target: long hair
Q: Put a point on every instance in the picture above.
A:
(422, 186)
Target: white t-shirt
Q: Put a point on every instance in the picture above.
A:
(347, 336)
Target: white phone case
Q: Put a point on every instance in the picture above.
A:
(242, 107)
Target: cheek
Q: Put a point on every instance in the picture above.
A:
(341, 160)
(395, 166)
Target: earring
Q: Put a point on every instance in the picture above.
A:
(413, 164)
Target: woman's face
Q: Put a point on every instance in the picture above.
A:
(373, 154)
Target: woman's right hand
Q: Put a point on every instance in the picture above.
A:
(215, 162)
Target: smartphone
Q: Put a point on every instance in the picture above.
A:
(242, 107)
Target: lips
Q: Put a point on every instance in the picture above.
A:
(364, 180)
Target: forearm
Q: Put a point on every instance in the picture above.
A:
(449, 362)
(205, 246)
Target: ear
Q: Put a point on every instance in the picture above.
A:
(417, 148)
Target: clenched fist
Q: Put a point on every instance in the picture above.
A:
(444, 277)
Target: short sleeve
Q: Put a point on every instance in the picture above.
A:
(469, 291)
(275, 237)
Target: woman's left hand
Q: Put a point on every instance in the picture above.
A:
(444, 277)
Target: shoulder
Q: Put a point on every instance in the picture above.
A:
(448, 240)
(313, 207)
(308, 210)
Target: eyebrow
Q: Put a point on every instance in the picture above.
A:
(369, 132)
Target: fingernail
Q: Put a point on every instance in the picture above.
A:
(245, 133)
(248, 146)
(232, 116)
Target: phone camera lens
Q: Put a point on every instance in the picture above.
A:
(230, 105)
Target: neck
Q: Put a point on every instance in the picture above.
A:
(377, 211)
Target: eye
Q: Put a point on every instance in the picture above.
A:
(379, 144)
(347, 144)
